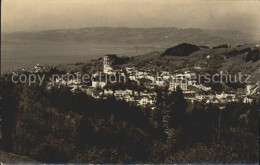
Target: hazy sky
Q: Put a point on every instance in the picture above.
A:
(36, 15)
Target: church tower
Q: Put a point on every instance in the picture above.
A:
(107, 63)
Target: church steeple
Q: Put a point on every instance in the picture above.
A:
(107, 62)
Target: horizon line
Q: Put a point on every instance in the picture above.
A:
(113, 27)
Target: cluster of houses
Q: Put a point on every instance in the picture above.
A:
(140, 98)
(36, 69)
(149, 79)
(222, 98)
(39, 68)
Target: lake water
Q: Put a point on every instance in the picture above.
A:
(25, 54)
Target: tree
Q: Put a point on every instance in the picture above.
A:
(9, 108)
(157, 113)
(31, 125)
(253, 55)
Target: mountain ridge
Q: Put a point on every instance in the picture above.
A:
(149, 36)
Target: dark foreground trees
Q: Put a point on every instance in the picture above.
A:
(61, 126)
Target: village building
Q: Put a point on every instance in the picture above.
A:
(98, 84)
(175, 83)
(144, 101)
(38, 68)
(160, 82)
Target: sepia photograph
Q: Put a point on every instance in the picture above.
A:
(130, 82)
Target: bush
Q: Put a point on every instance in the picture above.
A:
(53, 150)
(216, 153)
(253, 55)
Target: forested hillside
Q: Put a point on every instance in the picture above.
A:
(61, 126)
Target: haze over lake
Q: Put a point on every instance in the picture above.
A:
(23, 54)
(54, 47)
